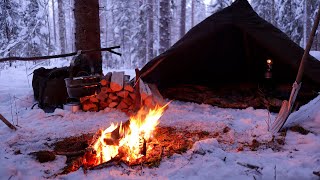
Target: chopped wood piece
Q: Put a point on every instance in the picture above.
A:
(104, 82)
(113, 104)
(123, 94)
(113, 97)
(131, 107)
(103, 104)
(116, 83)
(128, 87)
(107, 77)
(122, 105)
(109, 90)
(4, 120)
(83, 99)
(144, 90)
(94, 100)
(133, 96)
(109, 101)
(126, 79)
(104, 90)
(101, 96)
(89, 107)
(128, 101)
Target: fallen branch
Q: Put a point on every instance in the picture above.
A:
(112, 162)
(110, 49)
(4, 120)
(77, 153)
(250, 166)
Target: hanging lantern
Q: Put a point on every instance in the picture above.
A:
(268, 73)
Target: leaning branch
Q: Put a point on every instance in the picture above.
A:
(7, 123)
(110, 49)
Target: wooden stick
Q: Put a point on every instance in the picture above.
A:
(59, 56)
(7, 123)
(137, 91)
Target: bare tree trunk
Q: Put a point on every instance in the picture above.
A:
(273, 13)
(183, 18)
(164, 29)
(54, 22)
(150, 30)
(87, 30)
(192, 12)
(142, 48)
(62, 27)
(307, 22)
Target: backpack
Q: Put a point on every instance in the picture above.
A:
(49, 87)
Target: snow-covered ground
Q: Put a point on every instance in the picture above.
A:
(297, 159)
(315, 54)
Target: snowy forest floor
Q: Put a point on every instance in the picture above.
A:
(291, 155)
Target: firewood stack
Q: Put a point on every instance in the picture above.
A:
(117, 92)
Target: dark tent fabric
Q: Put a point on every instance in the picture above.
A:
(231, 47)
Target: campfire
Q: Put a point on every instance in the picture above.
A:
(127, 142)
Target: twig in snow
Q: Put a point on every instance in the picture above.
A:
(11, 109)
(25, 64)
(15, 105)
(275, 172)
(250, 166)
(4, 120)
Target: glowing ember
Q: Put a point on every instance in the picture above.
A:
(128, 139)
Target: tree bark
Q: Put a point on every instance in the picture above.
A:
(87, 30)
(192, 12)
(164, 29)
(183, 18)
(150, 30)
(142, 48)
(62, 27)
(54, 22)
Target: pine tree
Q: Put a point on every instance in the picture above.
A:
(217, 5)
(164, 29)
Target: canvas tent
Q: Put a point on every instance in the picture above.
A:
(227, 53)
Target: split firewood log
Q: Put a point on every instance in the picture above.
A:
(107, 77)
(128, 101)
(123, 94)
(101, 96)
(94, 99)
(113, 96)
(132, 96)
(128, 87)
(122, 105)
(109, 90)
(84, 99)
(116, 83)
(104, 82)
(113, 104)
(104, 90)
(126, 79)
(103, 105)
(89, 107)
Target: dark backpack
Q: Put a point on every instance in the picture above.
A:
(49, 87)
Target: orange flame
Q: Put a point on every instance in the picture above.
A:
(131, 139)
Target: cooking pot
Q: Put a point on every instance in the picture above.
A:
(72, 106)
